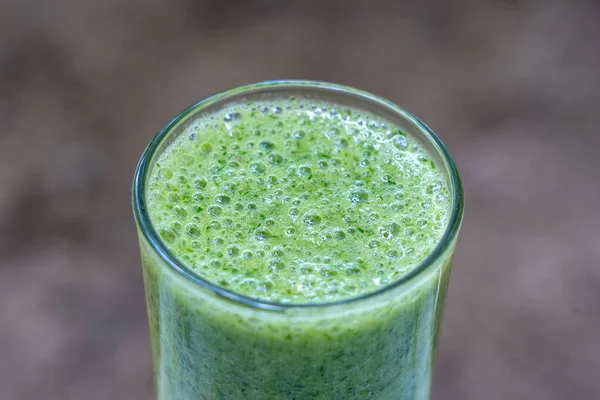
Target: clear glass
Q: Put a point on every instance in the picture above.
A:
(211, 343)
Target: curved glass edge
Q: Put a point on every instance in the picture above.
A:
(150, 234)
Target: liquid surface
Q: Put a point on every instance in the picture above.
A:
(297, 201)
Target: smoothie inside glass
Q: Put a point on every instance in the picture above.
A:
(296, 242)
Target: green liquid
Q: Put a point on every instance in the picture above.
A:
(295, 202)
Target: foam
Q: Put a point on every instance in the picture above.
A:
(296, 201)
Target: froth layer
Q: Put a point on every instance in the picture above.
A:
(294, 201)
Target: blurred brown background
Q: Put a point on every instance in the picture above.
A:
(513, 88)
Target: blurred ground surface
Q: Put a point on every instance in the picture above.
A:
(513, 88)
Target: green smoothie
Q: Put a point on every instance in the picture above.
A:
(305, 208)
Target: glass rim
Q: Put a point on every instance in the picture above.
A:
(149, 232)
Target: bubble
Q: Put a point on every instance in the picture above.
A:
(358, 196)
(277, 110)
(326, 236)
(275, 158)
(276, 265)
(341, 143)
(400, 142)
(165, 173)
(289, 231)
(312, 218)
(305, 170)
(353, 270)
(268, 146)
(270, 222)
(410, 231)
(277, 252)
(192, 229)
(216, 264)
(439, 216)
(293, 211)
(327, 272)
(233, 250)
(238, 206)
(374, 243)
(264, 109)
(393, 254)
(262, 234)
(340, 234)
(388, 230)
(200, 183)
(323, 164)
(441, 198)
(333, 132)
(252, 206)
(247, 255)
(173, 197)
(232, 117)
(397, 205)
(205, 148)
(420, 237)
(180, 212)
(272, 179)
(306, 269)
(167, 235)
(223, 199)
(215, 211)
(299, 135)
(388, 179)
(406, 220)
(257, 167)
(436, 187)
